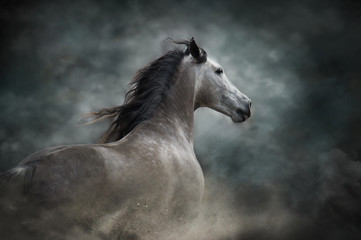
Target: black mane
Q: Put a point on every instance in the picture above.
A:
(150, 85)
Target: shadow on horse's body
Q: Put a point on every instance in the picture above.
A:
(144, 178)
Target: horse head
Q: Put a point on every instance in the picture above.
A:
(213, 89)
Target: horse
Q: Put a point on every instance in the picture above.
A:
(143, 177)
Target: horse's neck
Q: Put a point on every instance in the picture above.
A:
(176, 113)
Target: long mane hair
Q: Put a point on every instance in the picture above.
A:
(148, 91)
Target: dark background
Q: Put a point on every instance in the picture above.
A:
(292, 171)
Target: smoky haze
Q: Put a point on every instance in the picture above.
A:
(292, 171)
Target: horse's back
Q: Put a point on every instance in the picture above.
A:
(58, 173)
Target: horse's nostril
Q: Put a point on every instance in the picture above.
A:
(250, 104)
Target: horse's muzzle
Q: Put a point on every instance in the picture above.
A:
(242, 114)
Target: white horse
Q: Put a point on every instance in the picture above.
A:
(143, 177)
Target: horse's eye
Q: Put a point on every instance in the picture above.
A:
(219, 71)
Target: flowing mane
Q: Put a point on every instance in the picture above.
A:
(147, 93)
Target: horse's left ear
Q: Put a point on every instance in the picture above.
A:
(194, 49)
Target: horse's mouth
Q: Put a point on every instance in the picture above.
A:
(239, 119)
(240, 116)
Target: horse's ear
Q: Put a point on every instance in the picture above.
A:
(194, 49)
